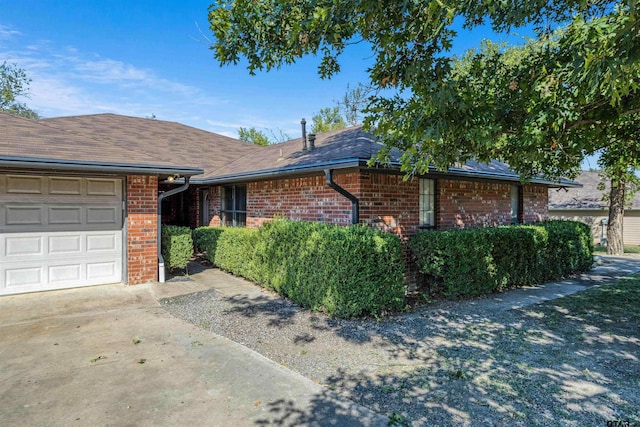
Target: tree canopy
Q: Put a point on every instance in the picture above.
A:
(253, 135)
(14, 83)
(327, 119)
(259, 137)
(540, 107)
(570, 91)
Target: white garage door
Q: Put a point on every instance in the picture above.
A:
(59, 232)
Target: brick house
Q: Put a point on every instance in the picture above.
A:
(287, 180)
(79, 195)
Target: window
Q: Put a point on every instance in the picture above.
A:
(427, 203)
(516, 204)
(234, 206)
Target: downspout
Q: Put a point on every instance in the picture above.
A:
(161, 197)
(355, 203)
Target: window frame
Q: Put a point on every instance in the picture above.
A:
(431, 213)
(236, 212)
(516, 199)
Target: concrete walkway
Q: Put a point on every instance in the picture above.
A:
(111, 355)
(605, 270)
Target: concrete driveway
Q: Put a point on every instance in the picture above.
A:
(110, 355)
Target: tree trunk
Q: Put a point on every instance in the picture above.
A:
(615, 244)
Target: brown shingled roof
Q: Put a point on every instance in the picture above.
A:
(350, 143)
(116, 138)
(587, 197)
(339, 146)
(45, 142)
(159, 141)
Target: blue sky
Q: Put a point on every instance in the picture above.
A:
(144, 58)
(141, 58)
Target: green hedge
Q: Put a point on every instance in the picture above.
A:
(205, 238)
(570, 247)
(177, 246)
(468, 263)
(235, 252)
(342, 271)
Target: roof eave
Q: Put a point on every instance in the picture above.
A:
(358, 162)
(513, 178)
(28, 163)
(276, 172)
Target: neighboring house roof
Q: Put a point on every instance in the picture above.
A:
(112, 139)
(586, 197)
(40, 144)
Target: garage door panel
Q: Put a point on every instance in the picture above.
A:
(102, 242)
(19, 277)
(104, 187)
(18, 184)
(100, 270)
(104, 215)
(65, 274)
(65, 186)
(24, 215)
(65, 244)
(65, 215)
(632, 228)
(59, 232)
(21, 246)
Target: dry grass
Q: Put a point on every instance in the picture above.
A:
(573, 361)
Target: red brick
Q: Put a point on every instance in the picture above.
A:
(142, 223)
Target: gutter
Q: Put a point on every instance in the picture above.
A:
(507, 177)
(161, 197)
(269, 173)
(355, 203)
(96, 167)
(357, 162)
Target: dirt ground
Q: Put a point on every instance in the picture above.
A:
(572, 361)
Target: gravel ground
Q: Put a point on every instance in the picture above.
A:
(446, 363)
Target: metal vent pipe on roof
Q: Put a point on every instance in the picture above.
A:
(312, 141)
(303, 123)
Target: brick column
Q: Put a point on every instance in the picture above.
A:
(142, 223)
(535, 199)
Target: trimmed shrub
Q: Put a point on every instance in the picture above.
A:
(205, 239)
(235, 252)
(342, 271)
(570, 247)
(518, 253)
(455, 263)
(176, 246)
(469, 263)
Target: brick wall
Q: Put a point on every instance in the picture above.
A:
(389, 203)
(386, 201)
(301, 199)
(142, 223)
(193, 215)
(214, 204)
(469, 204)
(535, 200)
